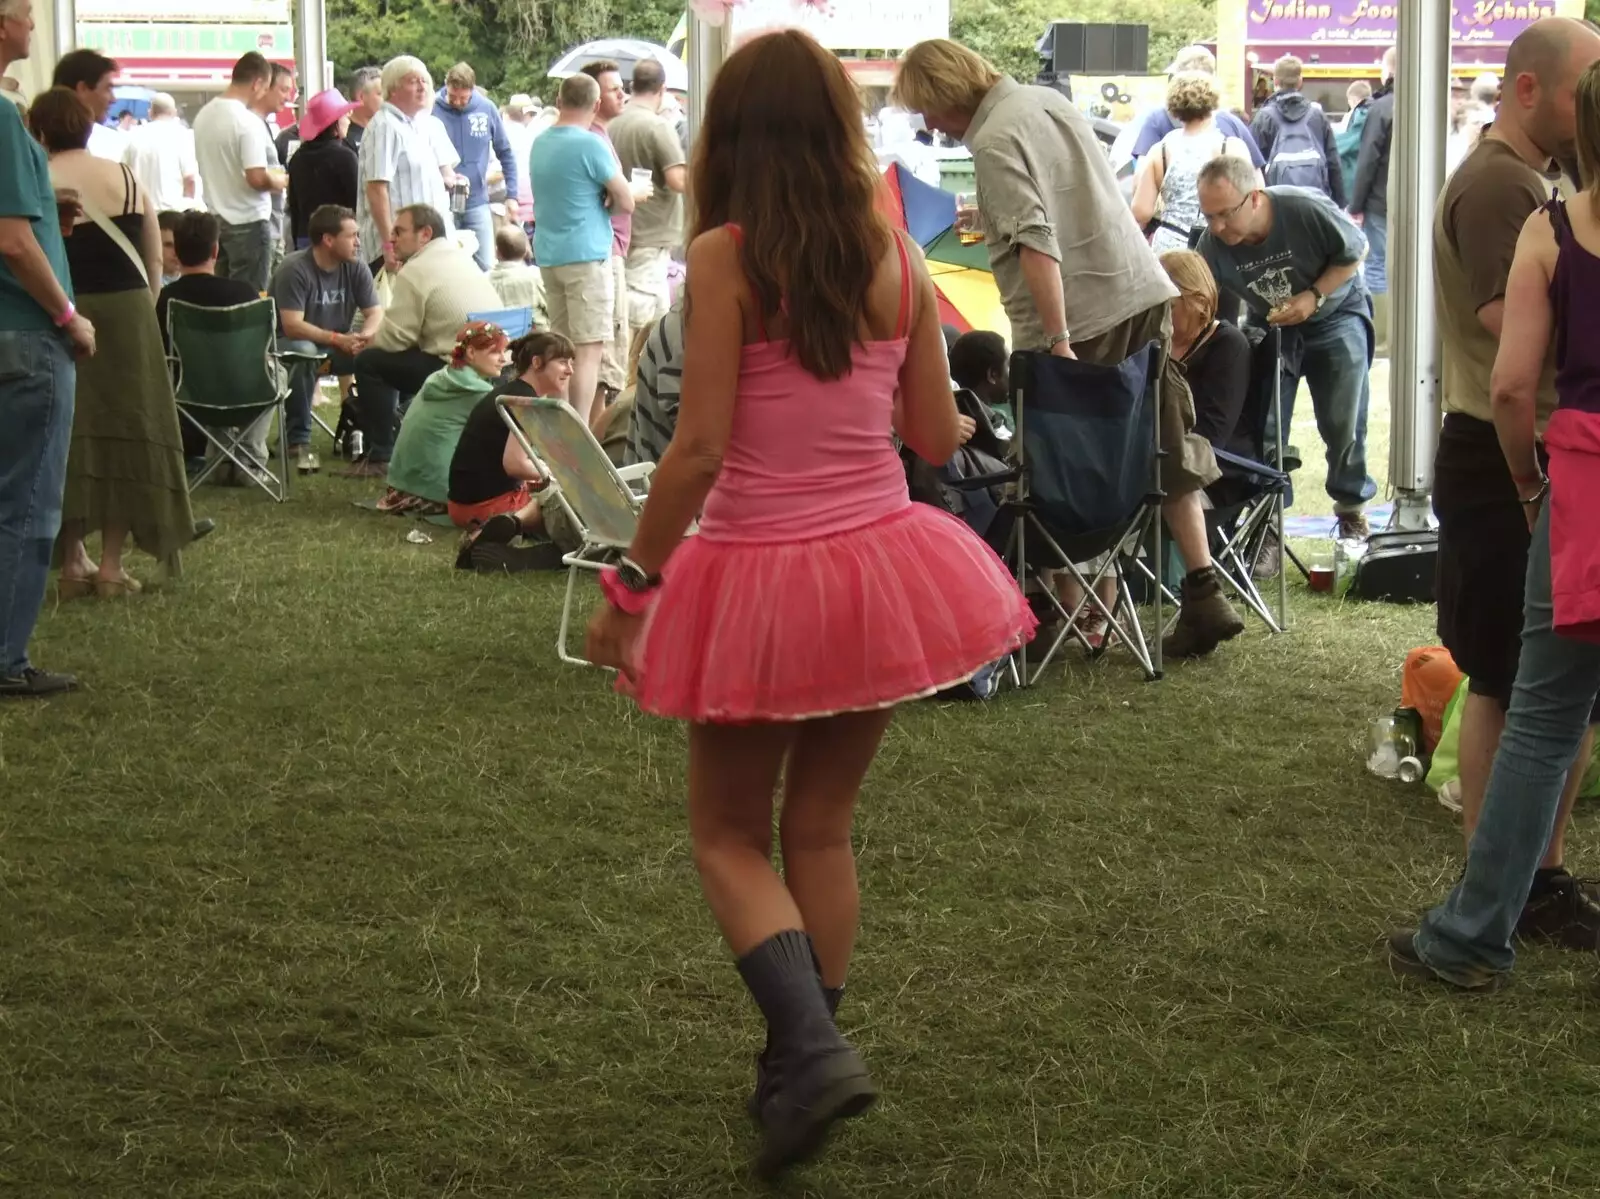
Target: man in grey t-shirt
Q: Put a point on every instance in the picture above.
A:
(319, 292)
(1077, 277)
(1294, 259)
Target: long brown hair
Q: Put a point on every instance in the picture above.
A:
(784, 155)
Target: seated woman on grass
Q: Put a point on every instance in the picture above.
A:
(419, 471)
(491, 476)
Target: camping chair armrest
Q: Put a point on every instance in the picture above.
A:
(636, 472)
(976, 482)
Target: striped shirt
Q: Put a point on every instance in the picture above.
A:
(655, 399)
(397, 151)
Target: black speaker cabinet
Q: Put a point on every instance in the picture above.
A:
(1099, 49)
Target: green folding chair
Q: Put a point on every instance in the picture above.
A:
(227, 377)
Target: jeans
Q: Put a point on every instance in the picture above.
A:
(1376, 267)
(385, 382)
(481, 222)
(1337, 357)
(38, 379)
(245, 252)
(303, 371)
(1468, 937)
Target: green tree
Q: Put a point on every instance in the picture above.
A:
(511, 44)
(1006, 31)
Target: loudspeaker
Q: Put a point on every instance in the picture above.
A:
(1096, 49)
(1056, 81)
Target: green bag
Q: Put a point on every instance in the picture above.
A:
(1446, 763)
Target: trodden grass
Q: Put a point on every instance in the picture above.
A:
(333, 881)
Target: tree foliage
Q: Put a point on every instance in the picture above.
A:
(511, 44)
(1006, 31)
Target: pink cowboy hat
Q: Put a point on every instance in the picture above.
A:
(324, 109)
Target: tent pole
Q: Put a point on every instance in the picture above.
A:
(708, 47)
(1416, 176)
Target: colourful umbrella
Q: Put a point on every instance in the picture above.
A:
(968, 298)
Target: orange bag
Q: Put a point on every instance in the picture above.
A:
(1427, 682)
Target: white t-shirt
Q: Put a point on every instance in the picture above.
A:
(106, 142)
(160, 154)
(229, 140)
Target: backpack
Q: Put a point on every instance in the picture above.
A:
(1297, 157)
(1348, 141)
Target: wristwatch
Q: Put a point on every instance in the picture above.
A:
(1321, 299)
(634, 577)
(1057, 338)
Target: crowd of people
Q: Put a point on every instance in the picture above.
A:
(776, 395)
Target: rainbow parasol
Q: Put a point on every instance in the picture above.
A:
(968, 298)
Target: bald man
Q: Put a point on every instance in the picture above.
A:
(1483, 534)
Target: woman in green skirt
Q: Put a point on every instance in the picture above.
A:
(125, 470)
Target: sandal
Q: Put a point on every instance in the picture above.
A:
(117, 588)
(71, 587)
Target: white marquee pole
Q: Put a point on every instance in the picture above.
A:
(1416, 176)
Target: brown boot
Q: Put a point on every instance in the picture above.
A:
(1206, 619)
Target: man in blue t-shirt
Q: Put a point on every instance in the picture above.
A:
(40, 335)
(1295, 259)
(577, 184)
(1158, 122)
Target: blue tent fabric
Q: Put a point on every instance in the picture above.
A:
(929, 210)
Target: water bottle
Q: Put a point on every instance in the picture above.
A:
(354, 445)
(307, 463)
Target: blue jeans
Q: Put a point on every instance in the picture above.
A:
(245, 252)
(481, 221)
(1376, 267)
(1337, 358)
(1468, 937)
(37, 382)
(303, 372)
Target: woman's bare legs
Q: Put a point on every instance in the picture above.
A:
(733, 773)
(829, 759)
(75, 560)
(112, 540)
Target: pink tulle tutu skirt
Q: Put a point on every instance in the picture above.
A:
(891, 611)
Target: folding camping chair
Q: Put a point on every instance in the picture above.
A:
(1248, 501)
(600, 499)
(513, 322)
(1087, 484)
(303, 356)
(227, 378)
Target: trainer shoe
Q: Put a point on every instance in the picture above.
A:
(1564, 911)
(1353, 526)
(1206, 620)
(1405, 962)
(1269, 560)
(32, 683)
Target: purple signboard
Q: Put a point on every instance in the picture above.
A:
(1345, 22)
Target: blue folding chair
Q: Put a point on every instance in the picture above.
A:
(1087, 484)
(514, 322)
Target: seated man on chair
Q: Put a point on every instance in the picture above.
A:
(319, 292)
(195, 238)
(437, 286)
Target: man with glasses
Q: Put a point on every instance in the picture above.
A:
(1294, 259)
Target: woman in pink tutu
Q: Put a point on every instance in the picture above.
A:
(815, 596)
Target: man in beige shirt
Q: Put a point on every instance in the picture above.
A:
(1483, 533)
(438, 285)
(1075, 274)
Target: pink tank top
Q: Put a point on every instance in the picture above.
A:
(809, 457)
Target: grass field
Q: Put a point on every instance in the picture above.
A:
(333, 881)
